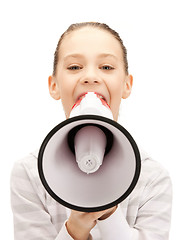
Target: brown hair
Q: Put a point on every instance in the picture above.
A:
(102, 26)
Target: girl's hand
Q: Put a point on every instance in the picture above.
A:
(80, 224)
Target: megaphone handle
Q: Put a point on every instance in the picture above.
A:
(90, 143)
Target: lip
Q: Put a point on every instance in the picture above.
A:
(101, 95)
(81, 96)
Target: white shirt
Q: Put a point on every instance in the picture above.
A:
(144, 215)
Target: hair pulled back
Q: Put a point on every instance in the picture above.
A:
(102, 26)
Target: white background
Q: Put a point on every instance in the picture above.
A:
(29, 31)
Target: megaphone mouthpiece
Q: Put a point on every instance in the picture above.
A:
(90, 144)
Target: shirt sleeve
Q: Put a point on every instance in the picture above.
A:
(63, 234)
(115, 227)
(153, 217)
(31, 218)
(154, 212)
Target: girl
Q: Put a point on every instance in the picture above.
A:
(91, 57)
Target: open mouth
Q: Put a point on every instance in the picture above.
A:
(81, 96)
(99, 95)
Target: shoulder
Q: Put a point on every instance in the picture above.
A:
(154, 184)
(151, 169)
(24, 175)
(26, 167)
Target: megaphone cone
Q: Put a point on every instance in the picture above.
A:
(89, 162)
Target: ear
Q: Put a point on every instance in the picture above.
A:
(53, 88)
(127, 86)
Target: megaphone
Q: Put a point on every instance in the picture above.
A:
(89, 162)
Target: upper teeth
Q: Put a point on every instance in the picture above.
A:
(98, 95)
(81, 97)
(101, 97)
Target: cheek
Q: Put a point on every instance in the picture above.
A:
(116, 90)
(67, 105)
(67, 86)
(115, 105)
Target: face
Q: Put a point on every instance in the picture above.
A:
(90, 60)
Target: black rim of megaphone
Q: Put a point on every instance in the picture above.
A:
(98, 208)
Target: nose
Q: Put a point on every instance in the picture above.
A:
(90, 77)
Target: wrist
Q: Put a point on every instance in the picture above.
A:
(77, 233)
(103, 217)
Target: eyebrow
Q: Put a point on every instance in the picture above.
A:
(102, 55)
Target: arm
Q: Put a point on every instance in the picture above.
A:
(31, 217)
(153, 216)
(80, 224)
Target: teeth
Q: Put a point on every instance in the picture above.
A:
(81, 97)
(98, 95)
(101, 97)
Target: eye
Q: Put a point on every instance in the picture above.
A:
(74, 67)
(107, 67)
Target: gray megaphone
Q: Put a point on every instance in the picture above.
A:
(89, 162)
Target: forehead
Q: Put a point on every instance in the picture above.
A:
(90, 41)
